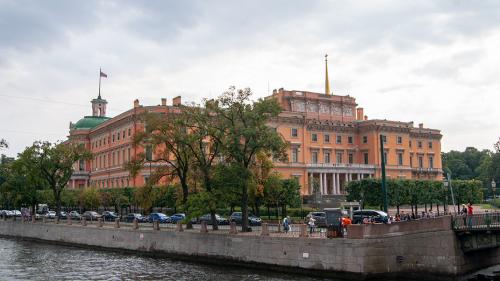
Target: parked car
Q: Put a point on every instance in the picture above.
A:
(319, 218)
(177, 217)
(16, 213)
(159, 217)
(374, 216)
(50, 215)
(63, 215)
(208, 218)
(91, 215)
(5, 213)
(74, 215)
(252, 219)
(140, 218)
(110, 216)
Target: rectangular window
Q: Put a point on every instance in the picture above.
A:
(399, 139)
(430, 144)
(365, 139)
(100, 142)
(81, 165)
(420, 162)
(129, 132)
(419, 144)
(339, 139)
(349, 140)
(123, 156)
(339, 158)
(113, 158)
(314, 137)
(351, 158)
(314, 157)
(327, 138)
(118, 136)
(327, 157)
(113, 137)
(128, 153)
(295, 132)
(365, 156)
(409, 143)
(123, 134)
(411, 161)
(431, 162)
(400, 159)
(295, 155)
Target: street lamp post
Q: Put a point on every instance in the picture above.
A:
(493, 188)
(445, 184)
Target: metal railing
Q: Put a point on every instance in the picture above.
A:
(486, 221)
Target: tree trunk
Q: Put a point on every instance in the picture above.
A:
(244, 205)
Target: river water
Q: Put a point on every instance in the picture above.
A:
(24, 260)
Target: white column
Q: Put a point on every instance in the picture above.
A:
(321, 183)
(359, 176)
(337, 183)
(325, 184)
(333, 183)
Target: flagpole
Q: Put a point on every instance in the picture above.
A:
(99, 83)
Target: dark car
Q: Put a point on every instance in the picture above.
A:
(319, 218)
(373, 215)
(208, 219)
(63, 215)
(177, 217)
(252, 220)
(159, 217)
(110, 216)
(140, 218)
(91, 215)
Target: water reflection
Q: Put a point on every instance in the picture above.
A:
(23, 260)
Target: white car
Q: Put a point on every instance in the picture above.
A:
(50, 215)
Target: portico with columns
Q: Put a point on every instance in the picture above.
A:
(333, 180)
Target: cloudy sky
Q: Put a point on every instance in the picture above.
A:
(432, 62)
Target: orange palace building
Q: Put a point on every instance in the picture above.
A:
(330, 139)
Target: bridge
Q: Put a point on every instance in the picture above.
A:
(477, 232)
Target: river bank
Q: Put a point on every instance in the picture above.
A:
(433, 254)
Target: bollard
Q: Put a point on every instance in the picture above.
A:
(4, 217)
(69, 221)
(178, 227)
(33, 218)
(57, 219)
(203, 228)
(84, 221)
(265, 230)
(232, 228)
(100, 222)
(14, 218)
(44, 219)
(303, 230)
(156, 225)
(117, 223)
(136, 224)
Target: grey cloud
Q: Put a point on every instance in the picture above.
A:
(26, 25)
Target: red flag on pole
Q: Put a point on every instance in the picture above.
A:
(104, 75)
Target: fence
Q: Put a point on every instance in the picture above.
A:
(486, 221)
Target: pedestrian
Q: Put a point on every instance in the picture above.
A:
(286, 224)
(311, 224)
(469, 214)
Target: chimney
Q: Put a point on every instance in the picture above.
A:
(136, 103)
(176, 101)
(163, 102)
(359, 113)
(421, 125)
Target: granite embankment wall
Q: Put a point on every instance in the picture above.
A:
(374, 251)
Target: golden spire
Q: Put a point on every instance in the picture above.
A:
(327, 82)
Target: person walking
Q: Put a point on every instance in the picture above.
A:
(311, 224)
(286, 224)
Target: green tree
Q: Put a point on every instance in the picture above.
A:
(90, 198)
(55, 163)
(3, 144)
(243, 132)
